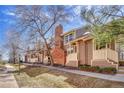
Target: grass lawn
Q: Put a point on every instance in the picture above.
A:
(44, 77)
(2, 65)
(17, 66)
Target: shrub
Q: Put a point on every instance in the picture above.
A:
(108, 70)
(89, 68)
(84, 67)
(105, 70)
(95, 69)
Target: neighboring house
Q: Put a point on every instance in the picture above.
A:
(35, 54)
(77, 47)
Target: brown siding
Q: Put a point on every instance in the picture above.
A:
(81, 52)
(89, 51)
(85, 52)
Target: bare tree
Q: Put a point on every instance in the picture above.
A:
(41, 20)
(12, 44)
(99, 15)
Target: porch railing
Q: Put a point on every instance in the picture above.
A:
(121, 56)
(105, 54)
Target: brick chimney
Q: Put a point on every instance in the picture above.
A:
(58, 52)
(58, 37)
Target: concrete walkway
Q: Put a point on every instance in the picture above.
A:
(117, 77)
(7, 80)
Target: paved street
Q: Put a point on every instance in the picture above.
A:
(7, 80)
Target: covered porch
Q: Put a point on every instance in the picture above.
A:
(79, 52)
(105, 56)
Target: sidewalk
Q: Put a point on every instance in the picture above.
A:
(7, 80)
(117, 77)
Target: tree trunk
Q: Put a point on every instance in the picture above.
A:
(49, 53)
(42, 57)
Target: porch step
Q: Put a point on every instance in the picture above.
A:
(120, 73)
(121, 67)
(102, 63)
(112, 61)
(121, 70)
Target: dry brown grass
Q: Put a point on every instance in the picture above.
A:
(32, 77)
(34, 71)
(44, 77)
(2, 66)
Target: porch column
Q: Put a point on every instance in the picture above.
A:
(94, 45)
(94, 48)
(78, 56)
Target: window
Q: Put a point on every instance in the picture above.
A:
(66, 39)
(71, 37)
(71, 49)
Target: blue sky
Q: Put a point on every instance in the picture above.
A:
(6, 21)
(8, 18)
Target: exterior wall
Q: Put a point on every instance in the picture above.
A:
(33, 60)
(81, 53)
(38, 57)
(45, 61)
(82, 56)
(58, 55)
(85, 52)
(89, 51)
(71, 60)
(26, 58)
